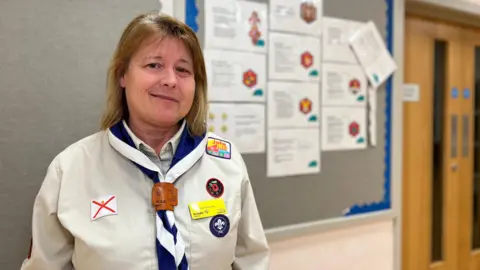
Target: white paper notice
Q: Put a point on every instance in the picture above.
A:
(293, 152)
(335, 39)
(242, 124)
(296, 16)
(372, 98)
(166, 7)
(372, 116)
(411, 92)
(372, 127)
(293, 57)
(344, 128)
(238, 25)
(293, 105)
(372, 54)
(343, 84)
(236, 76)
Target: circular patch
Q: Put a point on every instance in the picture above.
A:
(215, 187)
(219, 225)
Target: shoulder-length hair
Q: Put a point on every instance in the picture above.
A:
(141, 29)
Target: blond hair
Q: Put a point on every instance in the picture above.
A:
(140, 29)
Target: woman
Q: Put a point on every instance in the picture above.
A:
(152, 190)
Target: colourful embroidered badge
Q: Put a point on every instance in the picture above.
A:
(219, 148)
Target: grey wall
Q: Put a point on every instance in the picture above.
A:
(53, 60)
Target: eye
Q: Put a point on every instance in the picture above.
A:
(154, 65)
(183, 70)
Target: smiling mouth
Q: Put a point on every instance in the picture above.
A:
(163, 97)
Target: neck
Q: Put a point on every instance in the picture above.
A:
(154, 136)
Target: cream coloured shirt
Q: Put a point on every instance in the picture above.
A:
(66, 235)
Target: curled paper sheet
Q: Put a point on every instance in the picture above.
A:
(373, 55)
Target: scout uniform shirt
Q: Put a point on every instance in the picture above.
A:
(94, 209)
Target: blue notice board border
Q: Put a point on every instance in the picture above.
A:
(386, 201)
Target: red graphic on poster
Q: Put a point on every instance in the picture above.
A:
(354, 129)
(249, 78)
(254, 19)
(354, 86)
(254, 32)
(307, 59)
(305, 105)
(308, 12)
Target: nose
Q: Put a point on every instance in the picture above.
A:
(169, 78)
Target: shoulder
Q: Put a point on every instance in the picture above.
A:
(83, 149)
(73, 156)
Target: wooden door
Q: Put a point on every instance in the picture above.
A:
(469, 210)
(432, 146)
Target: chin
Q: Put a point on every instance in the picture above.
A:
(166, 121)
(165, 117)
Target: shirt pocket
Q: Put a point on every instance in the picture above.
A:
(213, 239)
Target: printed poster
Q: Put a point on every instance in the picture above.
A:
(293, 57)
(297, 16)
(343, 84)
(344, 128)
(372, 54)
(235, 76)
(336, 40)
(236, 25)
(293, 152)
(242, 124)
(292, 104)
(166, 7)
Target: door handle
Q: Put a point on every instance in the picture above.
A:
(454, 166)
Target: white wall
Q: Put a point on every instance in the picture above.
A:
(467, 6)
(368, 247)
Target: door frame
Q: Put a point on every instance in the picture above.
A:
(452, 11)
(398, 22)
(456, 12)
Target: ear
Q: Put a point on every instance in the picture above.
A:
(122, 81)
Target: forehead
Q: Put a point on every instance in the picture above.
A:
(164, 47)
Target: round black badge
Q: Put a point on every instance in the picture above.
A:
(215, 187)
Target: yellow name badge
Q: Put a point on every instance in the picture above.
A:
(208, 208)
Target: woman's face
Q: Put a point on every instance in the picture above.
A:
(160, 83)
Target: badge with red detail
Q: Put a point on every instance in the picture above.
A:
(30, 249)
(215, 187)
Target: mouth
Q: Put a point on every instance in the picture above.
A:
(160, 96)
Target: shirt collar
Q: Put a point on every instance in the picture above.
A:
(173, 142)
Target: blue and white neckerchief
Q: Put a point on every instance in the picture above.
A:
(170, 247)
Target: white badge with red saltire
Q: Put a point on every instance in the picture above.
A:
(103, 206)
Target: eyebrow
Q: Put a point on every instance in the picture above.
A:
(152, 57)
(160, 58)
(185, 61)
